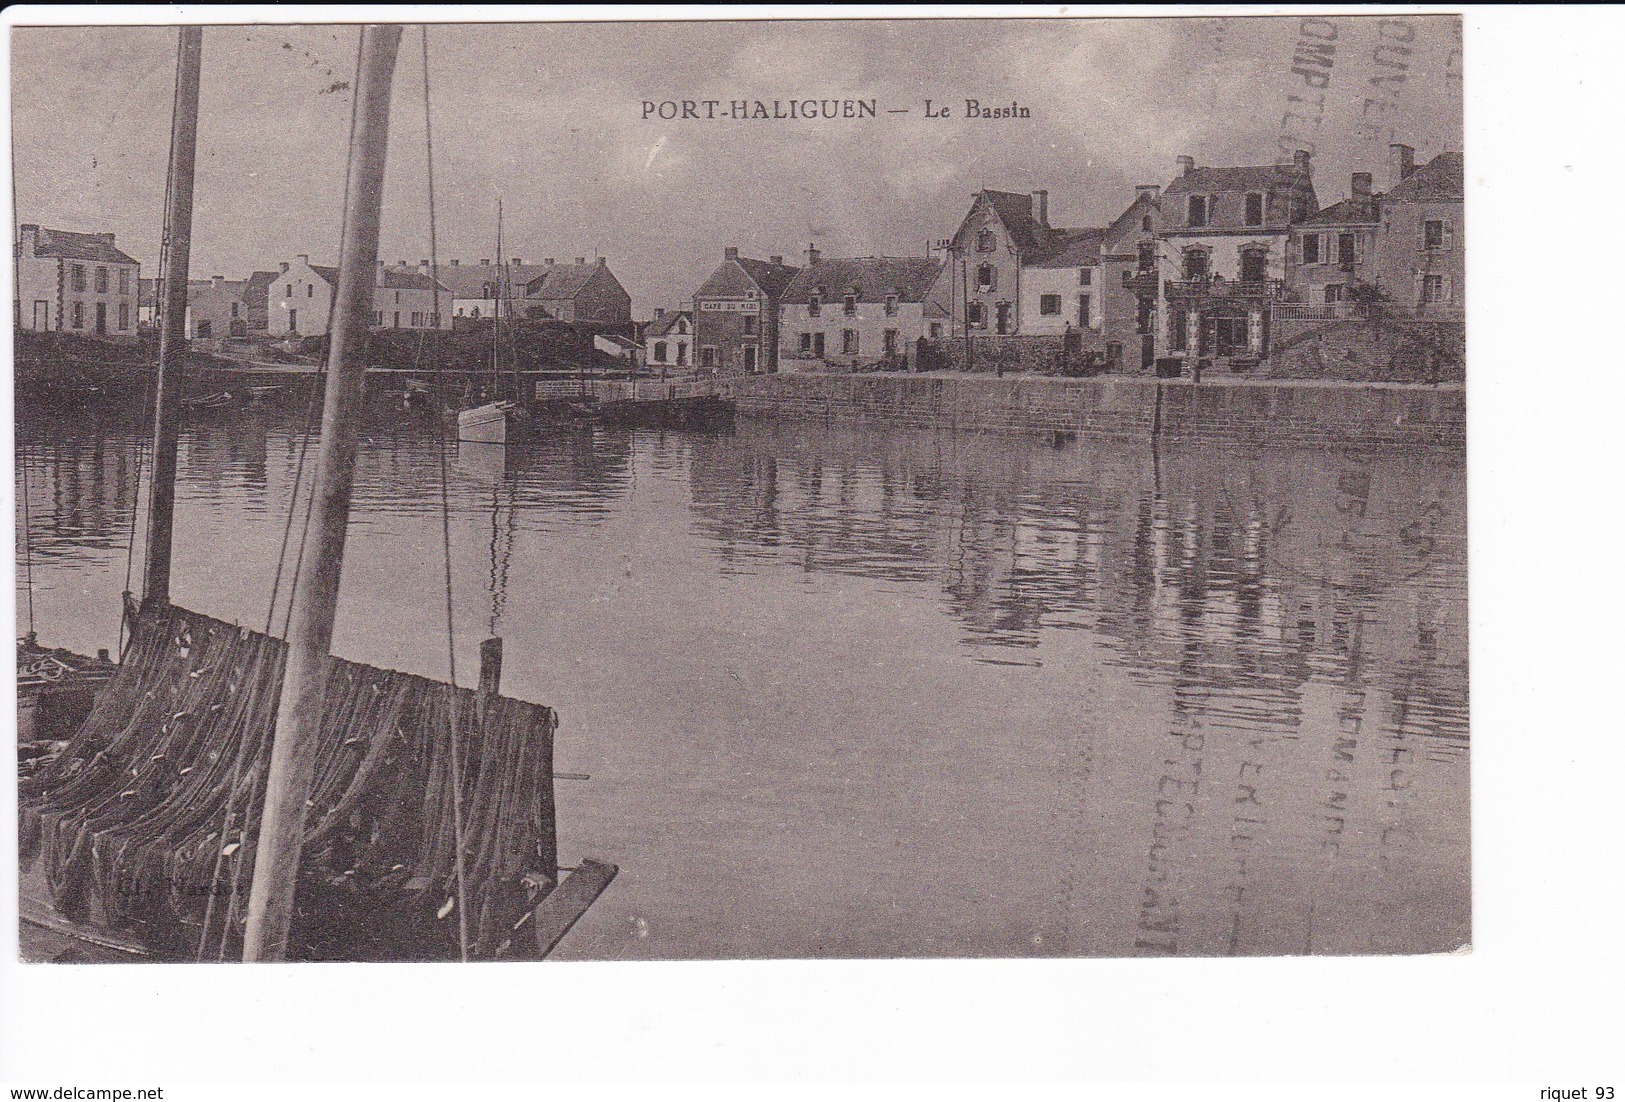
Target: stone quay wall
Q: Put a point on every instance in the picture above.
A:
(1285, 413)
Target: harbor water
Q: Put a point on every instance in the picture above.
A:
(860, 692)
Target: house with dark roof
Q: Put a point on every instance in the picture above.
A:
(216, 307)
(78, 282)
(1331, 252)
(1130, 283)
(668, 339)
(1223, 257)
(299, 301)
(867, 310)
(736, 314)
(582, 292)
(1002, 233)
(1420, 263)
(410, 300)
(1060, 286)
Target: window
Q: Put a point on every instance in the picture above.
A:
(1145, 224)
(1114, 352)
(1196, 211)
(1178, 337)
(1345, 250)
(79, 314)
(987, 278)
(1432, 234)
(101, 281)
(888, 340)
(1049, 305)
(660, 352)
(236, 309)
(1084, 320)
(287, 292)
(849, 306)
(976, 315)
(1334, 293)
(1086, 277)
(936, 330)
(891, 306)
(1432, 292)
(849, 342)
(205, 329)
(378, 317)
(815, 305)
(1254, 265)
(77, 282)
(1196, 264)
(818, 345)
(1311, 248)
(124, 315)
(1146, 253)
(310, 292)
(1255, 209)
(123, 281)
(708, 356)
(682, 354)
(397, 298)
(806, 344)
(417, 319)
(397, 319)
(750, 325)
(985, 242)
(293, 321)
(433, 319)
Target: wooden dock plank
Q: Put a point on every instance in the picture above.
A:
(562, 907)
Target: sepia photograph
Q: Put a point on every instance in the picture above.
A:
(812, 496)
(485, 521)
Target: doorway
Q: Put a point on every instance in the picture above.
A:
(42, 315)
(1001, 317)
(750, 358)
(101, 319)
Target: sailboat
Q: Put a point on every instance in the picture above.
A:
(491, 422)
(409, 818)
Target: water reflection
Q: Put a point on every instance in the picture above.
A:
(869, 692)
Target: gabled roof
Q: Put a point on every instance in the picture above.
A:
(1441, 178)
(1016, 212)
(1349, 212)
(871, 278)
(561, 281)
(68, 245)
(1245, 178)
(737, 275)
(257, 288)
(1129, 221)
(771, 278)
(328, 273)
(1072, 249)
(470, 280)
(230, 287)
(664, 324)
(409, 281)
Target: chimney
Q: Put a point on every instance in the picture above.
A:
(1300, 161)
(730, 253)
(812, 256)
(107, 237)
(303, 258)
(485, 262)
(549, 262)
(1401, 163)
(454, 262)
(1150, 191)
(581, 260)
(1041, 207)
(517, 263)
(602, 262)
(1185, 163)
(776, 261)
(1360, 185)
(283, 265)
(660, 312)
(423, 267)
(216, 281)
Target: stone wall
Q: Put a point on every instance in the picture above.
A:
(1267, 413)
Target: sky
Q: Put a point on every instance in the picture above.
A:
(550, 119)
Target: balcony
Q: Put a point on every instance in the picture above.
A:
(1213, 287)
(1315, 311)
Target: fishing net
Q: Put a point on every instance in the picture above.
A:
(146, 821)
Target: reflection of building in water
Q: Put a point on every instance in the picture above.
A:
(81, 490)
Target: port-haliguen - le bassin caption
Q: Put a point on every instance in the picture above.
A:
(808, 109)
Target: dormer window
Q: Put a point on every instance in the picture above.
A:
(1145, 224)
(891, 306)
(1196, 211)
(985, 242)
(1255, 209)
(815, 304)
(849, 306)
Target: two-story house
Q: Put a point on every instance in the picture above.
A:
(579, 293)
(861, 310)
(410, 300)
(668, 340)
(1060, 290)
(75, 282)
(736, 314)
(216, 307)
(300, 298)
(1130, 284)
(1223, 255)
(1332, 252)
(1420, 261)
(1000, 233)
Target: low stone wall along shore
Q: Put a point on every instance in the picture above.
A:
(1263, 412)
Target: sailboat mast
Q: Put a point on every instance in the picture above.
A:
(166, 427)
(501, 303)
(315, 600)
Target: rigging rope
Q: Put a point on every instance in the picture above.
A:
(453, 727)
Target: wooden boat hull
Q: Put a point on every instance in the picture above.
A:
(486, 424)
